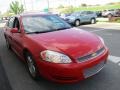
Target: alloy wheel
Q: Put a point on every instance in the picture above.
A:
(77, 23)
(31, 66)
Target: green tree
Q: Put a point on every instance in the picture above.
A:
(16, 7)
(84, 5)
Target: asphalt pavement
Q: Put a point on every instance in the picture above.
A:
(108, 79)
(4, 82)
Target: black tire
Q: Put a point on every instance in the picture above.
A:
(8, 44)
(77, 23)
(31, 66)
(93, 21)
(109, 15)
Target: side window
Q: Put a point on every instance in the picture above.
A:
(10, 22)
(16, 24)
(89, 12)
(84, 13)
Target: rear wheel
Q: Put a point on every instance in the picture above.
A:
(31, 66)
(8, 44)
(109, 15)
(93, 21)
(77, 22)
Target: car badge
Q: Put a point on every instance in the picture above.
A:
(94, 54)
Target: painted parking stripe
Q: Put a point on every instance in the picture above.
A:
(119, 64)
(114, 59)
(97, 30)
(104, 30)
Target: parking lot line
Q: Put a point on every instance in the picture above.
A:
(114, 59)
(97, 30)
(119, 64)
(102, 30)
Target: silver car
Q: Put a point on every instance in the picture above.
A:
(112, 12)
(77, 18)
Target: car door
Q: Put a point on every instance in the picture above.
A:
(89, 16)
(83, 17)
(17, 37)
(8, 29)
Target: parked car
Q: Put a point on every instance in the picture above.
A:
(63, 16)
(109, 13)
(4, 19)
(99, 13)
(118, 12)
(77, 18)
(50, 47)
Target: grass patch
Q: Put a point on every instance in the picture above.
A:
(118, 21)
(89, 8)
(98, 8)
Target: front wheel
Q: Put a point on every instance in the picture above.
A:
(77, 23)
(109, 15)
(31, 66)
(8, 44)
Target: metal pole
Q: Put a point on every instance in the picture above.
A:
(24, 4)
(48, 4)
(32, 5)
(69, 3)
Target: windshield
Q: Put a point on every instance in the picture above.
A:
(75, 14)
(46, 23)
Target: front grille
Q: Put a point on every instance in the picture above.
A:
(67, 19)
(91, 56)
(93, 70)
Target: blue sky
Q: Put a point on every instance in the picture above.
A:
(41, 4)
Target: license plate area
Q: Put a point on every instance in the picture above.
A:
(93, 70)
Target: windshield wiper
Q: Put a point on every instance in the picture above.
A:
(37, 32)
(63, 28)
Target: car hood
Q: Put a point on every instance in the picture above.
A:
(69, 17)
(73, 42)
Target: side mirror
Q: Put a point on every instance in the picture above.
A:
(14, 30)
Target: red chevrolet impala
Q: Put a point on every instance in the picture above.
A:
(53, 49)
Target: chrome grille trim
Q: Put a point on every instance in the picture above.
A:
(94, 70)
(90, 56)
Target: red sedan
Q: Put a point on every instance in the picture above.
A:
(53, 49)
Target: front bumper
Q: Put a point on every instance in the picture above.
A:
(74, 72)
(69, 21)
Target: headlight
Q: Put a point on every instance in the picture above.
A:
(72, 18)
(55, 57)
(102, 40)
